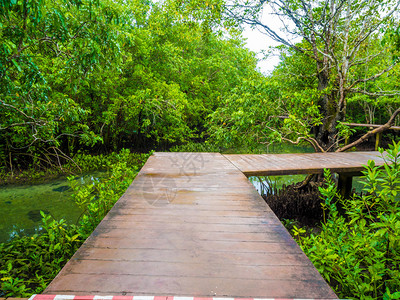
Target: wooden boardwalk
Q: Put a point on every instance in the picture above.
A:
(303, 163)
(192, 225)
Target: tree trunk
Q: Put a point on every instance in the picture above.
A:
(326, 133)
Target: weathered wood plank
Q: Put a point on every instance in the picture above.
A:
(191, 269)
(288, 246)
(163, 285)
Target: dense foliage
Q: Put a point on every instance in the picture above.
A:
(80, 163)
(358, 249)
(103, 75)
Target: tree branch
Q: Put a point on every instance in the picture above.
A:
(376, 94)
(17, 109)
(372, 77)
(310, 140)
(372, 132)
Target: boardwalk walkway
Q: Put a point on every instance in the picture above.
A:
(302, 163)
(191, 224)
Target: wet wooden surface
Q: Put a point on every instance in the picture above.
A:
(302, 163)
(191, 224)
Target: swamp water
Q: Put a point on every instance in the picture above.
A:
(263, 184)
(20, 205)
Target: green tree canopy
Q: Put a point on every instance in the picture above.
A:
(338, 37)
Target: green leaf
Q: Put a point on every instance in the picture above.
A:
(16, 64)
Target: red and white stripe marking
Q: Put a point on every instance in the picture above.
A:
(72, 297)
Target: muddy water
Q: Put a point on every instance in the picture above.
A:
(20, 205)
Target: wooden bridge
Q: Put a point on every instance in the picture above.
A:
(192, 225)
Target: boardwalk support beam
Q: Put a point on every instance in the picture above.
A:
(377, 140)
(345, 183)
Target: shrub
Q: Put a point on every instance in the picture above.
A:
(358, 251)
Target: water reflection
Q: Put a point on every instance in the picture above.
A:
(271, 184)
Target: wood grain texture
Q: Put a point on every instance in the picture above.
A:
(191, 224)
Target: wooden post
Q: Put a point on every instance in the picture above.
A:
(345, 184)
(377, 140)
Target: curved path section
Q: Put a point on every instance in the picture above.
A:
(192, 225)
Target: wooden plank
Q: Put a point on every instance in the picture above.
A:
(77, 284)
(191, 224)
(369, 125)
(191, 269)
(192, 256)
(287, 246)
(302, 163)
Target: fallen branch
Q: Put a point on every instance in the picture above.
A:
(372, 132)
